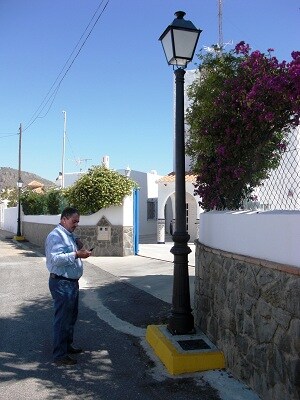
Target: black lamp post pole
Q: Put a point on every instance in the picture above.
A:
(181, 320)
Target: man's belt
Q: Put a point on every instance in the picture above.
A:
(54, 276)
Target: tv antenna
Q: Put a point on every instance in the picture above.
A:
(220, 45)
(80, 161)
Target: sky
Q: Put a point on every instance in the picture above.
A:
(110, 76)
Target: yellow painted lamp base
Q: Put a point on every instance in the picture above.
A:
(177, 360)
(19, 238)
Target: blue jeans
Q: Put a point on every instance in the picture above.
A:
(65, 295)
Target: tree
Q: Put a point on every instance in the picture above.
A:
(99, 188)
(242, 108)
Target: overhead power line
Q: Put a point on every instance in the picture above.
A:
(48, 100)
(8, 134)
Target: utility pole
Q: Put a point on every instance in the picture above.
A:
(63, 151)
(19, 186)
(20, 152)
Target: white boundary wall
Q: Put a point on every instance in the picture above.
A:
(268, 235)
(9, 222)
(121, 215)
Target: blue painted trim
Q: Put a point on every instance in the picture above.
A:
(136, 222)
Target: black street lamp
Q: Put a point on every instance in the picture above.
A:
(179, 42)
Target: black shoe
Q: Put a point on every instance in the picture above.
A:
(66, 361)
(74, 350)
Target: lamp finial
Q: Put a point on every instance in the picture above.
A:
(180, 14)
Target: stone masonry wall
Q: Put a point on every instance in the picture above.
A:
(120, 243)
(250, 309)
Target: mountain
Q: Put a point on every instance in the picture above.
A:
(9, 178)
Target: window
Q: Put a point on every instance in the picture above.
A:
(151, 209)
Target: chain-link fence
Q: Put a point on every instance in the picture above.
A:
(281, 190)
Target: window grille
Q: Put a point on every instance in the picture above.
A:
(151, 209)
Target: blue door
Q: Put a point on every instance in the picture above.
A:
(136, 227)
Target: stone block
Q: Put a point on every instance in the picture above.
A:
(265, 329)
(294, 334)
(282, 317)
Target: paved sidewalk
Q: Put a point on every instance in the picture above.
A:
(152, 270)
(154, 276)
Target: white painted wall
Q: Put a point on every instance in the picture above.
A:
(10, 216)
(269, 235)
(147, 182)
(167, 196)
(166, 189)
(117, 215)
(3, 206)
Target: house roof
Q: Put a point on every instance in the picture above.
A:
(39, 190)
(189, 177)
(35, 184)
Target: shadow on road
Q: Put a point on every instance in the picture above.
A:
(113, 366)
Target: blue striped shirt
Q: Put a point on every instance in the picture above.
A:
(60, 248)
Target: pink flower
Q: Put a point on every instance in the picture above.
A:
(242, 48)
(269, 116)
(221, 151)
(238, 172)
(295, 55)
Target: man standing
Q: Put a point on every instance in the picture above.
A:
(63, 259)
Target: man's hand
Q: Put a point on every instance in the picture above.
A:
(82, 253)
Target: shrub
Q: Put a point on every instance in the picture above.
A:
(99, 188)
(55, 201)
(33, 203)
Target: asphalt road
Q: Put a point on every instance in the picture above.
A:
(117, 362)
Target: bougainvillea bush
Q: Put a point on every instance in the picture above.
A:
(242, 108)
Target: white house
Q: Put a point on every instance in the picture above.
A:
(148, 194)
(166, 207)
(148, 197)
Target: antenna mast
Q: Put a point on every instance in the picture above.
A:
(82, 160)
(220, 17)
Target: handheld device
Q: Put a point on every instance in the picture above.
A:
(92, 249)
